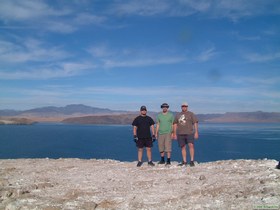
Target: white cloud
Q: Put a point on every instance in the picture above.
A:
(206, 55)
(259, 58)
(87, 18)
(55, 71)
(26, 50)
(67, 17)
(126, 57)
(60, 27)
(141, 8)
(232, 9)
(266, 81)
(246, 37)
(100, 51)
(17, 10)
(142, 62)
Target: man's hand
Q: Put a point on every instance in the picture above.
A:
(135, 138)
(154, 138)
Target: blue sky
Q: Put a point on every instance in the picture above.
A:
(219, 56)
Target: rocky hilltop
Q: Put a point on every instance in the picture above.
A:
(49, 184)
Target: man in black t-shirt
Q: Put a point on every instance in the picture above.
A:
(142, 127)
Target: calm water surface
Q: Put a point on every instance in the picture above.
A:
(216, 142)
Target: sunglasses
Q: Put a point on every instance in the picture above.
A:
(184, 106)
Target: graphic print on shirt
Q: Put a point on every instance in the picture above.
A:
(182, 120)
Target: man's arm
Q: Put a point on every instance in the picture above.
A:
(196, 130)
(157, 128)
(153, 129)
(175, 131)
(134, 130)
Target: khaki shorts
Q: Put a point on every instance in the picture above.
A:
(165, 142)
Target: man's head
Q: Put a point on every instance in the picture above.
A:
(143, 110)
(164, 107)
(184, 106)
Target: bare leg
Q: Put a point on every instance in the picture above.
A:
(168, 154)
(184, 153)
(149, 153)
(191, 148)
(140, 154)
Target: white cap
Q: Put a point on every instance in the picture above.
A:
(184, 104)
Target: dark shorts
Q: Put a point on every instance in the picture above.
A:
(185, 139)
(148, 142)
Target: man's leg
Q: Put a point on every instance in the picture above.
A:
(184, 153)
(168, 145)
(161, 148)
(140, 154)
(168, 154)
(191, 148)
(149, 153)
(168, 148)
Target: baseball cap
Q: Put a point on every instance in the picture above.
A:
(164, 105)
(143, 108)
(184, 104)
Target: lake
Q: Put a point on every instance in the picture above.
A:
(219, 141)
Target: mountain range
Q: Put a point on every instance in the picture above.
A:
(50, 111)
(82, 114)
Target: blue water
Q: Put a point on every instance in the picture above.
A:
(216, 142)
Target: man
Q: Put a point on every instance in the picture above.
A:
(164, 131)
(185, 131)
(142, 127)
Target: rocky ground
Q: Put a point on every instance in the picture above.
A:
(50, 184)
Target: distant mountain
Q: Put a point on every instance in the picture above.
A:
(258, 116)
(123, 119)
(79, 113)
(69, 110)
(52, 111)
(9, 112)
(261, 117)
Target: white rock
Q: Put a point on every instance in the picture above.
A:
(109, 184)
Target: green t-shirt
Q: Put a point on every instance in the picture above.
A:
(165, 122)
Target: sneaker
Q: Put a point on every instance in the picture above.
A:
(139, 164)
(191, 163)
(182, 164)
(161, 162)
(150, 163)
(168, 163)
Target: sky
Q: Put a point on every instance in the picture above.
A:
(218, 56)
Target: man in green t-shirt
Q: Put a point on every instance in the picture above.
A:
(164, 130)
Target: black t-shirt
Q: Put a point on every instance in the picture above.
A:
(143, 124)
